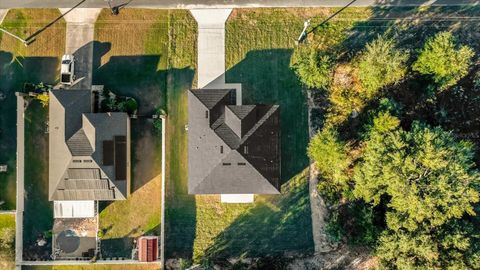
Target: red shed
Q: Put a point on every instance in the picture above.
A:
(148, 248)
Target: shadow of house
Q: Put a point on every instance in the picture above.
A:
(38, 215)
(134, 76)
(180, 215)
(139, 77)
(266, 78)
(278, 226)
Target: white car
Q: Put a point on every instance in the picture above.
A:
(67, 70)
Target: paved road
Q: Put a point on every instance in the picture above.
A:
(190, 4)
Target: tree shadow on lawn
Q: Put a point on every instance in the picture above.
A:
(14, 71)
(277, 226)
(266, 78)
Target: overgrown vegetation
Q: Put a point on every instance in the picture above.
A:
(394, 169)
(444, 59)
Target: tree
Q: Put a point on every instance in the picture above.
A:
(428, 176)
(331, 157)
(443, 59)
(451, 246)
(428, 183)
(312, 66)
(380, 64)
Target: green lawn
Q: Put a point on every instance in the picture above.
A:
(38, 213)
(132, 58)
(200, 226)
(39, 62)
(7, 255)
(18, 64)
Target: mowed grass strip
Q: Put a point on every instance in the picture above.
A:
(180, 207)
(38, 213)
(39, 62)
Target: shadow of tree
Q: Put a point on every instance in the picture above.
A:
(276, 226)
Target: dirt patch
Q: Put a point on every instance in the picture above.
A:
(343, 258)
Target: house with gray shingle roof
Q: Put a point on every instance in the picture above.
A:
(233, 150)
(89, 153)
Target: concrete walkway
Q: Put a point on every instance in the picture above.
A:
(3, 13)
(80, 31)
(196, 4)
(20, 180)
(211, 50)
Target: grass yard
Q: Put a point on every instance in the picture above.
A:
(200, 226)
(95, 267)
(38, 213)
(132, 58)
(39, 62)
(7, 255)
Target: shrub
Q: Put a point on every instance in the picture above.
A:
(43, 98)
(379, 65)
(443, 59)
(345, 95)
(312, 66)
(332, 160)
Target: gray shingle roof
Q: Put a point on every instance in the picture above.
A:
(238, 151)
(79, 144)
(76, 169)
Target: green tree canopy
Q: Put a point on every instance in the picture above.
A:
(331, 157)
(428, 176)
(312, 66)
(443, 59)
(380, 64)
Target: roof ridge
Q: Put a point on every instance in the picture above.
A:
(259, 123)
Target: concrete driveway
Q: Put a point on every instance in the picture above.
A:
(80, 31)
